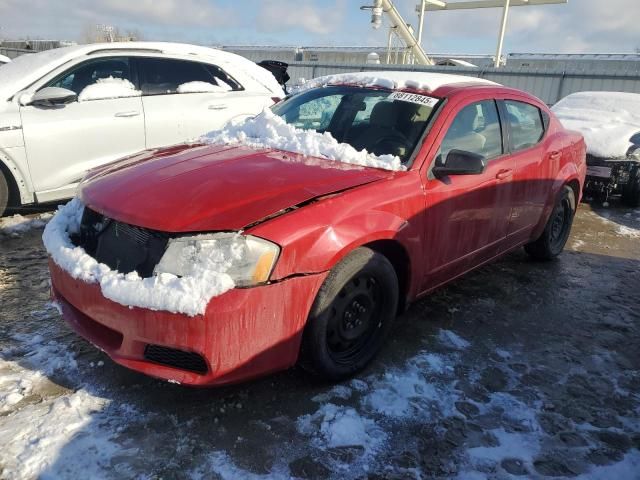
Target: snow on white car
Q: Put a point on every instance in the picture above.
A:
(610, 124)
(4, 59)
(67, 110)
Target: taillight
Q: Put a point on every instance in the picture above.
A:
(276, 99)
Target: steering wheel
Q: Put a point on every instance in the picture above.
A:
(393, 143)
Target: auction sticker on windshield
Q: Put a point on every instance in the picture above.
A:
(414, 98)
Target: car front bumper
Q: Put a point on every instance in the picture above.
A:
(244, 333)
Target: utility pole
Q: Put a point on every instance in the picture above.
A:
(503, 28)
(423, 4)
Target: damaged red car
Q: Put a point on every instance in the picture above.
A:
(298, 235)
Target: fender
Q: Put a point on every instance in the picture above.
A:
(568, 173)
(19, 173)
(318, 248)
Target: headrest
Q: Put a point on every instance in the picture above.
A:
(384, 114)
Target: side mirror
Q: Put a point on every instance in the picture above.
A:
(52, 96)
(460, 162)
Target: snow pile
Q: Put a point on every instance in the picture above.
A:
(394, 80)
(268, 130)
(189, 294)
(201, 87)
(338, 426)
(17, 224)
(607, 120)
(628, 231)
(110, 87)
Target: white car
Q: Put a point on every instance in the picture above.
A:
(4, 59)
(67, 110)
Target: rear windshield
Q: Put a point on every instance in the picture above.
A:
(379, 121)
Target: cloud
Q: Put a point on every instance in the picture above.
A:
(67, 20)
(319, 18)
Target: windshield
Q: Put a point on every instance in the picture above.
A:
(26, 68)
(379, 121)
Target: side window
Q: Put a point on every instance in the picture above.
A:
(161, 76)
(525, 121)
(89, 73)
(475, 129)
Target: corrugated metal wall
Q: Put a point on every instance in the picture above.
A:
(550, 86)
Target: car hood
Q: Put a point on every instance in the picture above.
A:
(197, 188)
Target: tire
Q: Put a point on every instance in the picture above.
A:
(556, 232)
(4, 194)
(351, 315)
(631, 194)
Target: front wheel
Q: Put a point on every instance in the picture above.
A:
(4, 193)
(556, 232)
(351, 315)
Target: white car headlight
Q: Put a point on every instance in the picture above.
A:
(246, 259)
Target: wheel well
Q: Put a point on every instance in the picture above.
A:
(575, 186)
(14, 192)
(399, 258)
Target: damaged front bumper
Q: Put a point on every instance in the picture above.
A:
(607, 177)
(244, 333)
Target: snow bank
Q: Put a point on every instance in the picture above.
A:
(394, 80)
(268, 130)
(607, 120)
(108, 88)
(17, 224)
(201, 87)
(189, 294)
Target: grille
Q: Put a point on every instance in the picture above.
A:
(176, 358)
(123, 247)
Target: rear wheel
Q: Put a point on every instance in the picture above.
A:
(351, 315)
(556, 232)
(4, 194)
(631, 195)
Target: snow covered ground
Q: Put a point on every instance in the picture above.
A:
(519, 369)
(17, 224)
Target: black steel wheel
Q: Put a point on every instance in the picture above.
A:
(351, 315)
(558, 228)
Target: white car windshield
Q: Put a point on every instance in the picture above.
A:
(380, 121)
(14, 75)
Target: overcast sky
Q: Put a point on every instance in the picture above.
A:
(579, 26)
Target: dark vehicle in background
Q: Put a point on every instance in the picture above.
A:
(610, 124)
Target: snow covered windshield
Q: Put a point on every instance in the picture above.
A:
(382, 122)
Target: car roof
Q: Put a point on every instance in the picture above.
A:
(28, 68)
(397, 79)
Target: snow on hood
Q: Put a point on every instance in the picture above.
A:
(395, 80)
(189, 294)
(607, 120)
(268, 130)
(108, 88)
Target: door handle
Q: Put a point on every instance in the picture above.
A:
(503, 174)
(555, 155)
(132, 113)
(220, 106)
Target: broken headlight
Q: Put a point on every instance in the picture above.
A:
(246, 259)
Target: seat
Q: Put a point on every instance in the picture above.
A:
(382, 124)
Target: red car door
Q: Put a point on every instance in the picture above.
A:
(467, 216)
(534, 166)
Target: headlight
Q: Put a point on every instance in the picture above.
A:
(247, 260)
(634, 153)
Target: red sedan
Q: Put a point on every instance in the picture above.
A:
(302, 233)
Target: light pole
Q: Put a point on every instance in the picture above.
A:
(503, 28)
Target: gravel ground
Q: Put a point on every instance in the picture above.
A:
(518, 369)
